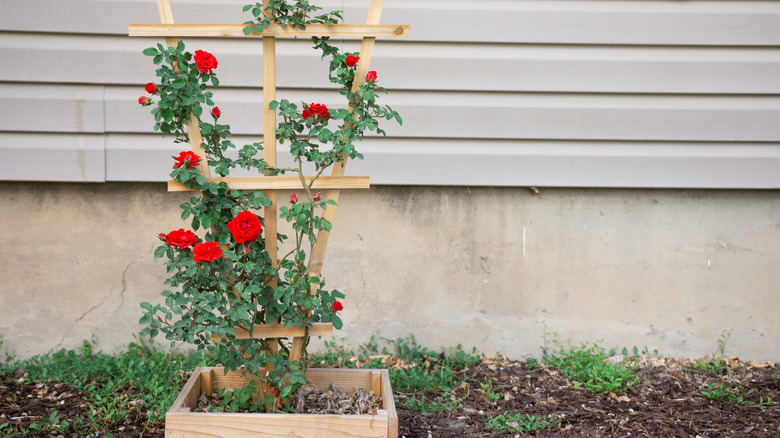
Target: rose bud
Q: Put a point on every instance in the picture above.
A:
(144, 101)
(371, 76)
(162, 237)
(293, 198)
(215, 112)
(151, 88)
(316, 196)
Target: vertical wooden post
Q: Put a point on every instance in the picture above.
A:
(269, 155)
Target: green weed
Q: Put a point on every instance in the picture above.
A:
(586, 366)
(441, 403)
(488, 391)
(519, 422)
(734, 394)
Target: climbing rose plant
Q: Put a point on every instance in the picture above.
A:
(223, 281)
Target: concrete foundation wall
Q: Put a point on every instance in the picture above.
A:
(496, 268)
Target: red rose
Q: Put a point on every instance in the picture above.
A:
(293, 198)
(183, 158)
(215, 112)
(151, 88)
(371, 76)
(245, 227)
(162, 237)
(181, 238)
(145, 101)
(205, 61)
(352, 60)
(316, 109)
(337, 306)
(316, 196)
(206, 252)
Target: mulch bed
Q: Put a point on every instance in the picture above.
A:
(668, 403)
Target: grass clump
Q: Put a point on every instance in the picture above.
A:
(439, 404)
(586, 366)
(519, 422)
(142, 379)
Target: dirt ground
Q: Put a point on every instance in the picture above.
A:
(667, 403)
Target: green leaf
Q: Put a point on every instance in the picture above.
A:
(178, 84)
(160, 251)
(151, 51)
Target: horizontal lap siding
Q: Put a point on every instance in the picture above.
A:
(543, 93)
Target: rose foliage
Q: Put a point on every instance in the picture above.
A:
(224, 283)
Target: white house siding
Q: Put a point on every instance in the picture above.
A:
(510, 93)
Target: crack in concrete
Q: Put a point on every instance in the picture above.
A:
(103, 301)
(124, 283)
(83, 315)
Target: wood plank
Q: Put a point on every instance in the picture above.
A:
(389, 405)
(237, 30)
(281, 183)
(207, 381)
(228, 425)
(265, 331)
(184, 400)
(269, 155)
(366, 49)
(376, 382)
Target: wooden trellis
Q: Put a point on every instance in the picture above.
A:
(270, 184)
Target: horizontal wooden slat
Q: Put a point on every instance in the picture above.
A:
(278, 331)
(710, 23)
(237, 30)
(282, 182)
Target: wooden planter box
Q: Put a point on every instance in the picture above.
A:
(181, 422)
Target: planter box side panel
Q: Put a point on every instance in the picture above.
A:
(196, 425)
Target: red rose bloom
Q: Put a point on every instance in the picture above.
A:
(215, 112)
(316, 197)
(337, 306)
(352, 60)
(151, 88)
(371, 76)
(145, 101)
(181, 238)
(316, 109)
(293, 198)
(245, 227)
(193, 158)
(206, 252)
(205, 61)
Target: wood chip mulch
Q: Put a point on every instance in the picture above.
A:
(668, 403)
